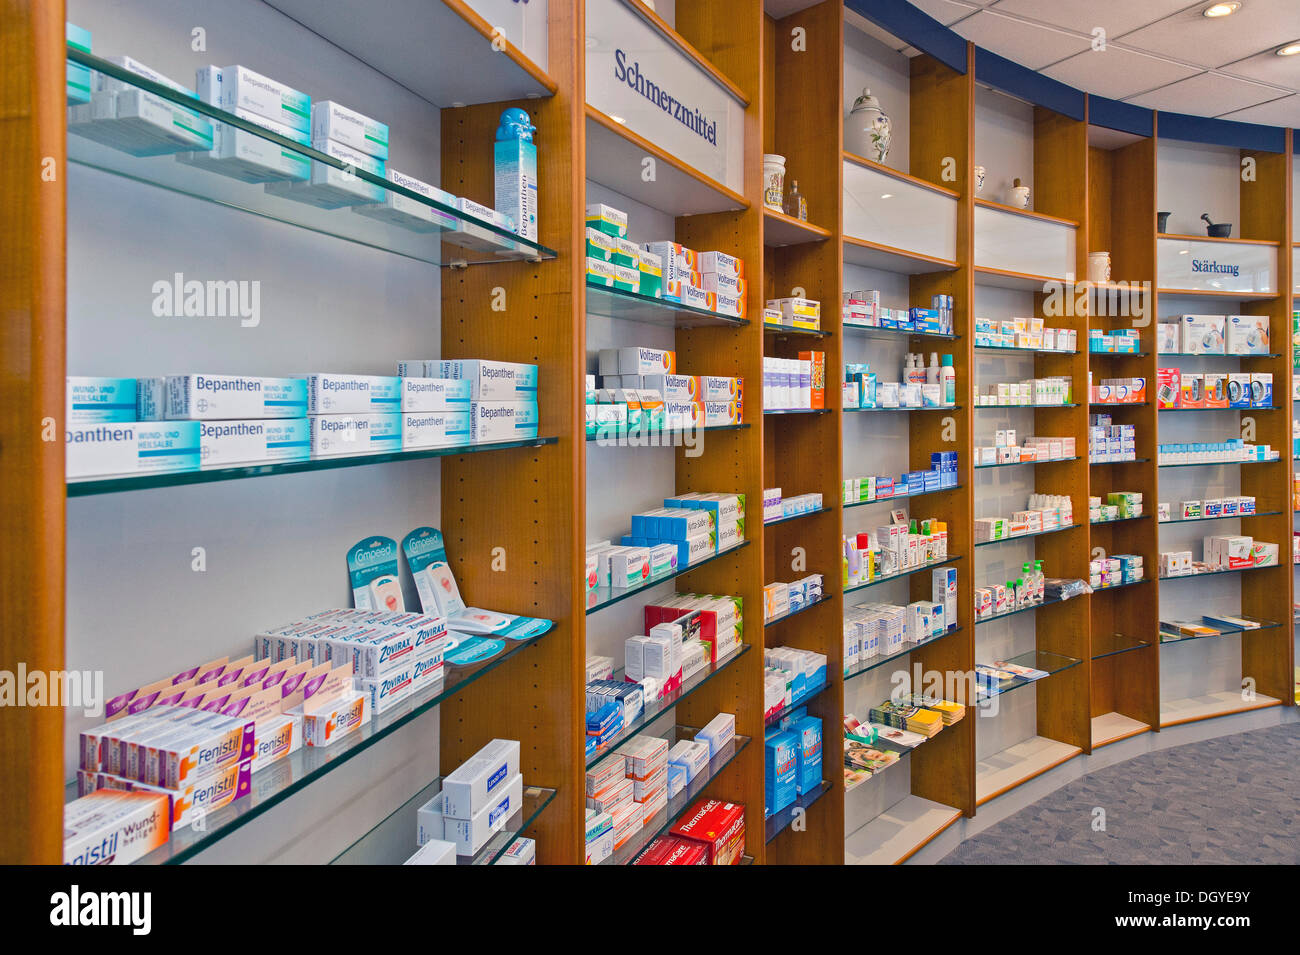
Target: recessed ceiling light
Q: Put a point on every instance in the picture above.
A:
(1291, 49)
(886, 195)
(1224, 9)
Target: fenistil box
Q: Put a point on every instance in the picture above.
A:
(132, 448)
(502, 420)
(255, 440)
(241, 88)
(494, 380)
(435, 394)
(99, 400)
(469, 787)
(111, 827)
(333, 435)
(353, 394)
(435, 429)
(233, 397)
(331, 121)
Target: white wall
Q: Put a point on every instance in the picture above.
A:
(1004, 143)
(1192, 178)
(868, 63)
(274, 546)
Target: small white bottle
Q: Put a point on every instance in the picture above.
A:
(932, 374)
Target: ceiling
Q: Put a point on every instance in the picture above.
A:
(1161, 54)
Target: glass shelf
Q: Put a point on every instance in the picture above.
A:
(1220, 517)
(901, 497)
(1102, 464)
(654, 709)
(868, 331)
(109, 484)
(392, 840)
(671, 438)
(1215, 573)
(1118, 520)
(900, 574)
(795, 517)
(280, 780)
(1051, 663)
(469, 240)
(1131, 583)
(1116, 643)
(778, 822)
(635, 307)
(1016, 349)
(1103, 405)
(1019, 407)
(866, 666)
(797, 411)
(810, 694)
(1018, 610)
(1118, 354)
(932, 408)
(1215, 464)
(1021, 537)
(1216, 629)
(602, 597)
(791, 330)
(1012, 464)
(794, 613)
(677, 805)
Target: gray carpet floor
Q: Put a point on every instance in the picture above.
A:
(1234, 800)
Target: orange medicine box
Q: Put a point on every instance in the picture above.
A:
(818, 362)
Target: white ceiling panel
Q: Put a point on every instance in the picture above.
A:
(1024, 43)
(1281, 112)
(1117, 72)
(1114, 16)
(1209, 94)
(1269, 68)
(1258, 25)
(946, 12)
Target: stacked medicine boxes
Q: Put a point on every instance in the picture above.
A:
(135, 121)
(477, 799)
(243, 155)
(356, 141)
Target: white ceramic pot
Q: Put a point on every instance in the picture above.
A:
(869, 128)
(1098, 267)
(979, 179)
(773, 181)
(1018, 195)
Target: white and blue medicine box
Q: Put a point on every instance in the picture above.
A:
(132, 448)
(253, 441)
(337, 435)
(78, 76)
(502, 420)
(98, 400)
(780, 765)
(808, 754)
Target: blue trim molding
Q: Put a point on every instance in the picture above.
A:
(919, 29)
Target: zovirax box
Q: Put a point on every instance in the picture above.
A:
(333, 434)
(253, 440)
(353, 394)
(331, 121)
(230, 397)
(494, 380)
(470, 786)
(130, 448)
(434, 429)
(96, 400)
(502, 420)
(434, 394)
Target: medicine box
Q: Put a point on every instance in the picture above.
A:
(131, 448)
(98, 400)
(230, 397)
(421, 394)
(469, 835)
(410, 213)
(336, 186)
(493, 380)
(331, 121)
(469, 787)
(434, 852)
(333, 435)
(353, 394)
(241, 88)
(502, 420)
(1247, 335)
(433, 429)
(251, 441)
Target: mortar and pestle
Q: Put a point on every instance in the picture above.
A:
(1216, 230)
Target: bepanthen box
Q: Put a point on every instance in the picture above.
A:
(493, 380)
(131, 448)
(232, 397)
(434, 429)
(434, 394)
(334, 187)
(241, 88)
(353, 394)
(333, 435)
(410, 213)
(99, 400)
(248, 157)
(502, 420)
(331, 121)
(254, 440)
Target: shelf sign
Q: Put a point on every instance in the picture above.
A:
(1216, 266)
(637, 77)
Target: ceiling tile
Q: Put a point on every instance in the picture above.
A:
(1115, 16)
(1209, 94)
(945, 11)
(1259, 25)
(1268, 68)
(1117, 72)
(1024, 43)
(1281, 112)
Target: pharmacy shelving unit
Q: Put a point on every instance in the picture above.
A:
(516, 518)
